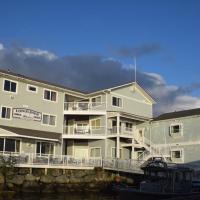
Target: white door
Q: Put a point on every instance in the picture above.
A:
(81, 153)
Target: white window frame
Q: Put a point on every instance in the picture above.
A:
(4, 143)
(5, 79)
(96, 148)
(49, 100)
(96, 127)
(6, 108)
(100, 103)
(49, 120)
(181, 159)
(29, 85)
(117, 98)
(178, 134)
(54, 144)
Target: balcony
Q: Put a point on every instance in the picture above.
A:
(84, 132)
(84, 108)
(123, 132)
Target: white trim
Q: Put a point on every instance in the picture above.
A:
(116, 96)
(29, 85)
(130, 98)
(181, 159)
(49, 100)
(178, 134)
(90, 148)
(10, 92)
(36, 141)
(49, 120)
(10, 113)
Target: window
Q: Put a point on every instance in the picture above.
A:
(49, 119)
(96, 123)
(10, 86)
(50, 95)
(32, 88)
(96, 101)
(129, 126)
(44, 148)
(9, 145)
(176, 130)
(117, 101)
(5, 112)
(95, 152)
(176, 154)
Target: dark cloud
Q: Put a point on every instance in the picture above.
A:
(93, 72)
(139, 51)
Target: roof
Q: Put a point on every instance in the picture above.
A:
(144, 92)
(178, 114)
(41, 81)
(21, 132)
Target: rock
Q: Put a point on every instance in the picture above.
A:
(48, 188)
(47, 179)
(74, 180)
(62, 179)
(30, 177)
(55, 172)
(23, 171)
(129, 181)
(79, 174)
(16, 180)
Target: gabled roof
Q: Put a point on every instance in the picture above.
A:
(141, 89)
(178, 114)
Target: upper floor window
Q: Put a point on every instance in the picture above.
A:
(129, 126)
(96, 123)
(10, 86)
(116, 101)
(5, 112)
(176, 130)
(49, 119)
(32, 88)
(95, 152)
(96, 101)
(50, 95)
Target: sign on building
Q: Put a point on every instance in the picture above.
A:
(27, 114)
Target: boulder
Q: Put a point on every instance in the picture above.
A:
(30, 177)
(47, 179)
(63, 179)
(16, 180)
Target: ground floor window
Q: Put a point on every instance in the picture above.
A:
(9, 145)
(95, 152)
(45, 148)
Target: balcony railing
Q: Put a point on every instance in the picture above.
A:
(24, 159)
(84, 106)
(85, 130)
(122, 131)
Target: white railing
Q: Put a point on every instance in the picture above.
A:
(84, 106)
(85, 130)
(24, 159)
(126, 165)
(122, 131)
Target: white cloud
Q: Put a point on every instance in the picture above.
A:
(39, 52)
(1, 46)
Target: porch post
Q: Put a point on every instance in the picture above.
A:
(118, 137)
(132, 150)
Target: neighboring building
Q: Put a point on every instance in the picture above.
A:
(41, 118)
(175, 136)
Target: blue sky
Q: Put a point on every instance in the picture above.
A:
(102, 28)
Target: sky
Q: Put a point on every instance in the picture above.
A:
(91, 44)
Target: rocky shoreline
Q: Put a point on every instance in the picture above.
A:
(20, 180)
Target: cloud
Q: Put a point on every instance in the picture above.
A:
(1, 47)
(139, 51)
(93, 72)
